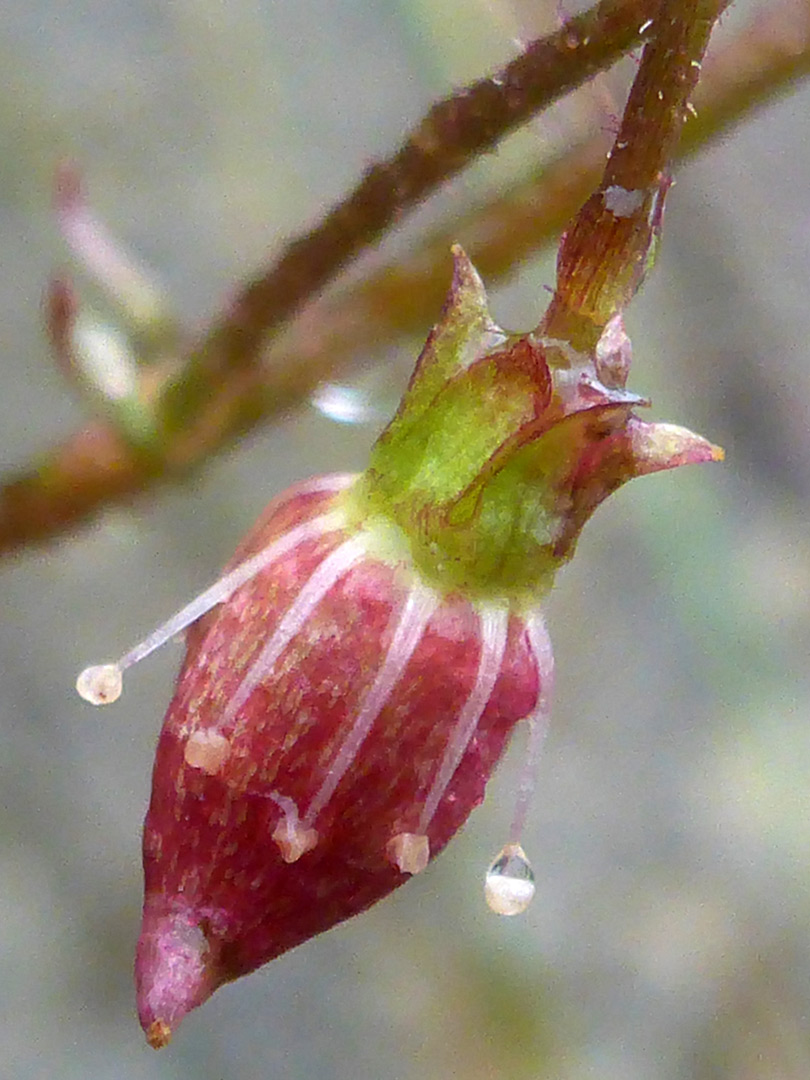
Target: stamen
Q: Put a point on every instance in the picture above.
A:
(509, 883)
(101, 684)
(538, 720)
(416, 612)
(206, 750)
(327, 573)
(409, 852)
(290, 835)
(227, 585)
(494, 627)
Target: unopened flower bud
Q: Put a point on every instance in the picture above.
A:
(351, 681)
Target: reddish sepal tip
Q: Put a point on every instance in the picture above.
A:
(158, 1034)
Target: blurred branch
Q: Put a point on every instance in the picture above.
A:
(98, 467)
(763, 61)
(453, 134)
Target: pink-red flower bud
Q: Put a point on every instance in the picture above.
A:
(335, 722)
(351, 681)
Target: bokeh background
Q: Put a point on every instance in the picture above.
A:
(670, 935)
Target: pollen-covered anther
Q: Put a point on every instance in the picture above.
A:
(409, 852)
(207, 750)
(100, 684)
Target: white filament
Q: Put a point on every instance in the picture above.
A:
(326, 574)
(494, 626)
(538, 720)
(416, 612)
(228, 584)
(101, 684)
(509, 883)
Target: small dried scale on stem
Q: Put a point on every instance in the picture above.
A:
(351, 681)
(604, 255)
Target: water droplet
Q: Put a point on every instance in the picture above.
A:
(344, 404)
(100, 684)
(509, 884)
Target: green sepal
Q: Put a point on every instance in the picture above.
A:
(502, 447)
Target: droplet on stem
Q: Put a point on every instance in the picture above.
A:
(509, 883)
(346, 404)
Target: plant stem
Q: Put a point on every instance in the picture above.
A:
(95, 467)
(763, 61)
(454, 133)
(604, 253)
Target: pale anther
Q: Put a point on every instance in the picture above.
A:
(292, 838)
(409, 852)
(206, 750)
(100, 684)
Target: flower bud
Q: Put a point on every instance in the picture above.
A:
(351, 681)
(334, 724)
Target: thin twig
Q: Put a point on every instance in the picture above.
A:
(763, 61)
(604, 253)
(455, 132)
(96, 468)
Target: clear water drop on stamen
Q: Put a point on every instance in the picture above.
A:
(509, 882)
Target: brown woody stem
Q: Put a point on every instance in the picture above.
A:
(603, 255)
(763, 60)
(96, 467)
(454, 133)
